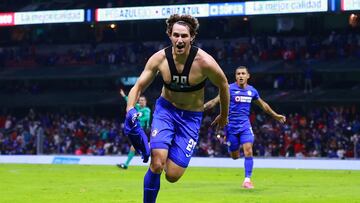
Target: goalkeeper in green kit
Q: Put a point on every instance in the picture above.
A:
(144, 119)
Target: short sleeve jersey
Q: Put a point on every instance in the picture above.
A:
(240, 103)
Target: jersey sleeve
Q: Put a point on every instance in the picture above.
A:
(126, 98)
(256, 94)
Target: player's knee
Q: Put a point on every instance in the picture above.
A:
(172, 179)
(248, 153)
(157, 166)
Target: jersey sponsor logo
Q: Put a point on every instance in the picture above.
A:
(243, 99)
(154, 132)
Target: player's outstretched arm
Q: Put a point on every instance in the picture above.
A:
(145, 79)
(218, 78)
(132, 127)
(266, 108)
(122, 93)
(210, 104)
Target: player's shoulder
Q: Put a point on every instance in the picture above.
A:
(251, 88)
(233, 85)
(205, 59)
(158, 57)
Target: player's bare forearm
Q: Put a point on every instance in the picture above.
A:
(122, 93)
(218, 78)
(142, 83)
(145, 79)
(133, 96)
(224, 97)
(267, 109)
(210, 104)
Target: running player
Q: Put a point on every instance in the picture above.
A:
(239, 131)
(184, 69)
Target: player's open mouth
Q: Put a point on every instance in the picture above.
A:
(180, 46)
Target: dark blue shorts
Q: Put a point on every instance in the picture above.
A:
(236, 137)
(176, 130)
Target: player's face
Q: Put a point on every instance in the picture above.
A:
(180, 38)
(142, 101)
(242, 76)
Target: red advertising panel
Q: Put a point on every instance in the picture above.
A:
(6, 19)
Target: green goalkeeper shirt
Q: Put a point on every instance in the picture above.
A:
(144, 117)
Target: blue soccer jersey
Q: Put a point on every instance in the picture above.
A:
(239, 128)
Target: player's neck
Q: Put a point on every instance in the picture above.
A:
(242, 86)
(181, 58)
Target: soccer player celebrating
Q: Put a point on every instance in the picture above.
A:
(144, 119)
(239, 131)
(184, 69)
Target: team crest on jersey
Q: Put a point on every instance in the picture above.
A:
(249, 92)
(154, 132)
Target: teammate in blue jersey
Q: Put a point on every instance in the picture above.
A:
(239, 131)
(184, 69)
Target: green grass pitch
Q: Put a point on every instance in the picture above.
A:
(87, 183)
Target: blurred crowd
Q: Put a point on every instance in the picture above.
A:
(52, 133)
(332, 132)
(246, 50)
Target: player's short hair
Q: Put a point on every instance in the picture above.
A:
(242, 67)
(191, 22)
(143, 97)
